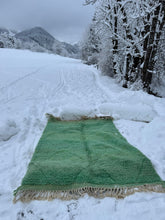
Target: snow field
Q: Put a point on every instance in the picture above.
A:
(33, 84)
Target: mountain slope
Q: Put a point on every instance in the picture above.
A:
(38, 36)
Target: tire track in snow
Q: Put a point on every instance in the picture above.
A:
(83, 85)
(60, 85)
(6, 99)
(21, 78)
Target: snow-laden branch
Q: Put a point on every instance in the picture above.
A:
(88, 2)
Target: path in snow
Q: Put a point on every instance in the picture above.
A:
(32, 84)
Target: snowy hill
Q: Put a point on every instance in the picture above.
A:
(32, 84)
(39, 40)
(44, 40)
(38, 35)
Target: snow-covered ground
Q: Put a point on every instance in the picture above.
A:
(32, 84)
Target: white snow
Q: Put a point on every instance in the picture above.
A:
(137, 112)
(32, 84)
(7, 130)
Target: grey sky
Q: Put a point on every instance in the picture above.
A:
(65, 19)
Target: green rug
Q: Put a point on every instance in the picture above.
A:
(86, 156)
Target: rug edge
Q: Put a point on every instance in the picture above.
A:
(53, 118)
(119, 192)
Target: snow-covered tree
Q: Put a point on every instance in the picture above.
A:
(91, 45)
(135, 29)
(158, 80)
(7, 41)
(156, 20)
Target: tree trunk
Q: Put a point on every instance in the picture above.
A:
(115, 40)
(131, 61)
(150, 45)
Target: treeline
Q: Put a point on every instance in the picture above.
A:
(126, 40)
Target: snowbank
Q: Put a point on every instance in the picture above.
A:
(137, 112)
(75, 113)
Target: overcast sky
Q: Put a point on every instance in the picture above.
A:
(64, 19)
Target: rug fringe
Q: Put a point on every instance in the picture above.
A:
(117, 192)
(52, 117)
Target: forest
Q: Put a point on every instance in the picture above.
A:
(126, 40)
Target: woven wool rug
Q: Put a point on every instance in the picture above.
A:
(86, 156)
